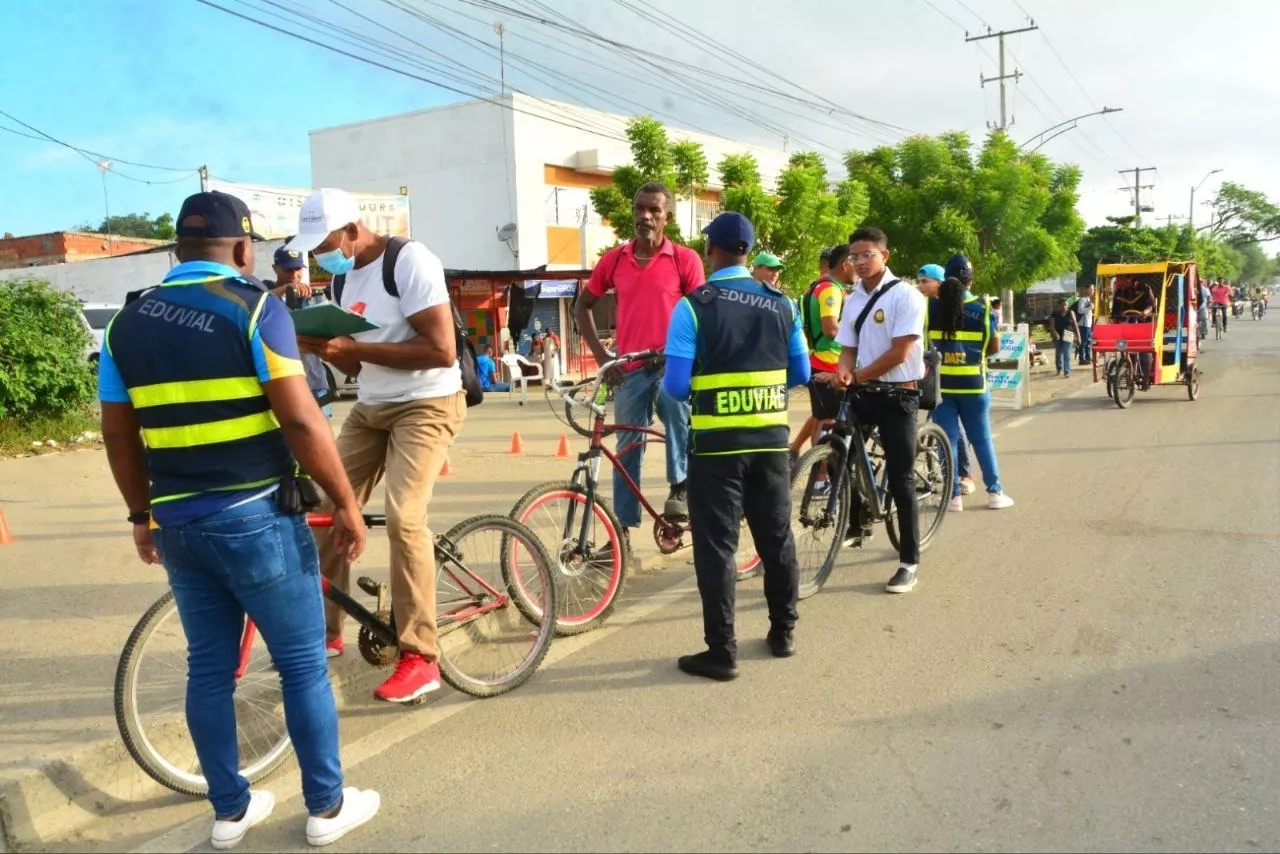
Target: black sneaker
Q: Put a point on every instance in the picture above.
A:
(677, 506)
(857, 537)
(903, 580)
(605, 553)
(782, 642)
(709, 665)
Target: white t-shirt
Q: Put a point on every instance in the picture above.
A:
(898, 313)
(420, 280)
(1084, 311)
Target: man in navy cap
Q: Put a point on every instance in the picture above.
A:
(735, 345)
(288, 265)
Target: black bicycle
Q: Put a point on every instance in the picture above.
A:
(830, 480)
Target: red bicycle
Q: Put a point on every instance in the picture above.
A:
(493, 584)
(578, 526)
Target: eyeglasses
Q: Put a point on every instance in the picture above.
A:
(865, 255)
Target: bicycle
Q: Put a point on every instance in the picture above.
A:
(485, 611)
(580, 528)
(1219, 312)
(824, 481)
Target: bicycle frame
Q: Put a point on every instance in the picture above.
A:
(846, 426)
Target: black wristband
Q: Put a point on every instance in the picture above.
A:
(142, 517)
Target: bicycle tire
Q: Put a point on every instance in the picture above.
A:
(569, 620)
(134, 734)
(571, 412)
(930, 438)
(1125, 385)
(815, 571)
(451, 669)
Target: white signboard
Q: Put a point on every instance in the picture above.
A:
(1011, 387)
(274, 210)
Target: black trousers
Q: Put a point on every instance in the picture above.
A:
(896, 417)
(721, 490)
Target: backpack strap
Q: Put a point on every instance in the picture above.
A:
(857, 324)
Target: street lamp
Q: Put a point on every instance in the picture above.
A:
(1104, 111)
(1191, 210)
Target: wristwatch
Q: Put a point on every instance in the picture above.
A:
(142, 517)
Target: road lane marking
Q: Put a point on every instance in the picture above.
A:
(1018, 422)
(194, 833)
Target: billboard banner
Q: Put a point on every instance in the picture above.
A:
(274, 210)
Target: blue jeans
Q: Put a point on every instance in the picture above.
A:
(1062, 356)
(253, 559)
(634, 403)
(974, 412)
(964, 468)
(1086, 345)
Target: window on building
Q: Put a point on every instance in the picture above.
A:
(704, 213)
(564, 206)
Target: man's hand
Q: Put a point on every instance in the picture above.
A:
(843, 378)
(615, 376)
(145, 545)
(348, 533)
(328, 349)
(826, 378)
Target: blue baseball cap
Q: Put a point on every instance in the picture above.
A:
(932, 271)
(958, 266)
(214, 214)
(732, 232)
(289, 259)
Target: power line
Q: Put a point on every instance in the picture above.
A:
(931, 5)
(92, 156)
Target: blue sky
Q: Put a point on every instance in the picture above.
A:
(170, 83)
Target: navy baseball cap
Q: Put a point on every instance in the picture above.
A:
(289, 259)
(732, 232)
(224, 215)
(958, 267)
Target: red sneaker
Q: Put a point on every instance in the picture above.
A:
(414, 677)
(333, 648)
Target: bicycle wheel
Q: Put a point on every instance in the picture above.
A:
(1125, 385)
(150, 702)
(818, 530)
(589, 576)
(934, 471)
(492, 577)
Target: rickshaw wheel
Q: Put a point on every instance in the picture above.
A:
(1124, 385)
(1193, 383)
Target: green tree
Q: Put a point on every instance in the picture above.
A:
(1213, 261)
(135, 225)
(1241, 215)
(653, 158)
(43, 368)
(1013, 214)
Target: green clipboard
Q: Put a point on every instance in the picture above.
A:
(328, 321)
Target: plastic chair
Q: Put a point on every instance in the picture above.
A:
(515, 365)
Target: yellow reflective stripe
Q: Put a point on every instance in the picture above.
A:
(959, 370)
(947, 391)
(253, 318)
(195, 391)
(203, 280)
(935, 335)
(720, 422)
(211, 432)
(738, 452)
(753, 379)
(257, 484)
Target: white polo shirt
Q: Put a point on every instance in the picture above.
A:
(898, 313)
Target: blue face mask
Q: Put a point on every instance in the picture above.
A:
(335, 262)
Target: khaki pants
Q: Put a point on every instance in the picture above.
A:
(407, 442)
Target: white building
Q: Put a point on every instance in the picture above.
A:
(472, 168)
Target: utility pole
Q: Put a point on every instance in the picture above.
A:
(1002, 76)
(1169, 218)
(1137, 188)
(105, 166)
(502, 54)
(204, 179)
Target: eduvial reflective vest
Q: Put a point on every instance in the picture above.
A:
(183, 351)
(740, 373)
(964, 361)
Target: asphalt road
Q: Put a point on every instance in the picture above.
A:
(1093, 669)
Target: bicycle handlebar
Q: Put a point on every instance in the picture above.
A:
(591, 402)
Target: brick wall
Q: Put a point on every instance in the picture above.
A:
(59, 247)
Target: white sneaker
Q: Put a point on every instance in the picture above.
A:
(227, 834)
(955, 505)
(967, 486)
(358, 806)
(998, 501)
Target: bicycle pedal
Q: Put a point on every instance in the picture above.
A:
(371, 586)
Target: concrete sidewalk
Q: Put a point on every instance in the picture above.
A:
(74, 590)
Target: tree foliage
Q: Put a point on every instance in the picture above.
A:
(43, 369)
(1013, 214)
(796, 220)
(1242, 216)
(135, 225)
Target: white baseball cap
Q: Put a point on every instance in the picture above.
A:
(322, 213)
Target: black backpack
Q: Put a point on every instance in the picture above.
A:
(466, 352)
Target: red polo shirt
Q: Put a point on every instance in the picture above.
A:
(646, 295)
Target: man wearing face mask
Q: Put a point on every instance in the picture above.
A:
(410, 408)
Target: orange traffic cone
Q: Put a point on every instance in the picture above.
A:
(6, 538)
(517, 444)
(446, 470)
(562, 450)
